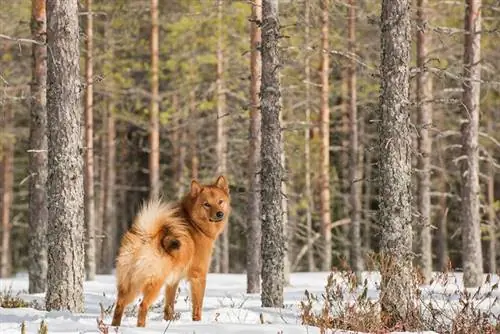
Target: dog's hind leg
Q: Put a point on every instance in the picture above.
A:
(170, 292)
(150, 291)
(125, 297)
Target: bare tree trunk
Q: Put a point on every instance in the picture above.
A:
(90, 249)
(7, 179)
(367, 224)
(472, 256)
(424, 120)
(273, 243)
(442, 233)
(181, 138)
(284, 205)
(254, 234)
(492, 228)
(109, 225)
(307, 142)
(38, 215)
(325, 143)
(221, 131)
(355, 156)
(154, 118)
(398, 286)
(193, 146)
(65, 235)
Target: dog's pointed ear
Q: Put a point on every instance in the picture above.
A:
(222, 183)
(195, 188)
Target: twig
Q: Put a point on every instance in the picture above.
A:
(21, 40)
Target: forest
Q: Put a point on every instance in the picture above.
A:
(356, 136)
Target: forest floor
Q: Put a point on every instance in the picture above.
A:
(227, 308)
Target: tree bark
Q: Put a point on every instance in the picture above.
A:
(65, 235)
(109, 224)
(273, 243)
(442, 232)
(181, 135)
(424, 120)
(193, 145)
(254, 234)
(221, 131)
(325, 143)
(492, 227)
(90, 224)
(154, 117)
(7, 179)
(355, 156)
(472, 257)
(398, 287)
(38, 214)
(307, 142)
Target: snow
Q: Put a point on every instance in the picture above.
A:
(227, 307)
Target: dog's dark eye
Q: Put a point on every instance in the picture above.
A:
(206, 205)
(220, 202)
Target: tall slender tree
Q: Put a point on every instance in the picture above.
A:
(394, 214)
(90, 249)
(492, 219)
(7, 193)
(65, 236)
(355, 155)
(38, 215)
(424, 119)
(273, 243)
(154, 117)
(221, 129)
(254, 223)
(325, 142)
(307, 140)
(472, 257)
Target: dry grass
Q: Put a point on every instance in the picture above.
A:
(347, 304)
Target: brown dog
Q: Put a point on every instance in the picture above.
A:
(170, 242)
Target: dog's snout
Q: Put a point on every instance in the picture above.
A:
(219, 214)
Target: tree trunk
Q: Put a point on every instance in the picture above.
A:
(355, 156)
(272, 246)
(307, 142)
(472, 256)
(254, 234)
(90, 249)
(492, 254)
(38, 215)
(65, 235)
(325, 143)
(442, 232)
(284, 206)
(7, 179)
(424, 120)
(398, 288)
(154, 117)
(109, 225)
(181, 135)
(193, 145)
(221, 131)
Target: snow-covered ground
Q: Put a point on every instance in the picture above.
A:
(227, 307)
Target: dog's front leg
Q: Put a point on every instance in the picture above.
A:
(198, 285)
